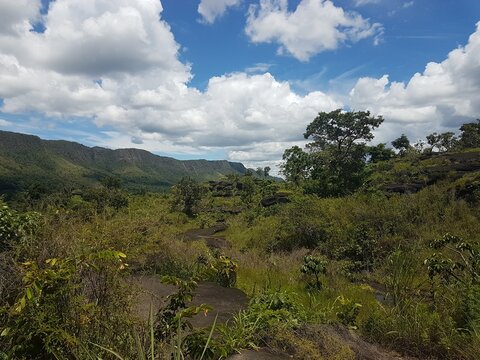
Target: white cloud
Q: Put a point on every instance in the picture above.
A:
(5, 123)
(366, 2)
(315, 26)
(258, 68)
(116, 63)
(443, 96)
(15, 16)
(213, 9)
(144, 97)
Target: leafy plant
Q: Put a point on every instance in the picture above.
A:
(460, 260)
(347, 311)
(175, 314)
(51, 311)
(14, 226)
(360, 251)
(186, 195)
(221, 269)
(314, 266)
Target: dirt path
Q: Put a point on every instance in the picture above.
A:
(225, 301)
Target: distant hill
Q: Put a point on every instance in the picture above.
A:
(27, 160)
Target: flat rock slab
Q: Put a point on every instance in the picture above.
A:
(199, 234)
(258, 355)
(226, 302)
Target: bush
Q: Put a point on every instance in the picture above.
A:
(14, 226)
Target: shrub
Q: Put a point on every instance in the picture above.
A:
(14, 226)
(314, 266)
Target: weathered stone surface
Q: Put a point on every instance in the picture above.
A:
(199, 234)
(225, 302)
(279, 198)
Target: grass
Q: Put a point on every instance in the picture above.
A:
(269, 246)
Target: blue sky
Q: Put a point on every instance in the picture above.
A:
(234, 79)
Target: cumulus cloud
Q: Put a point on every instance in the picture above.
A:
(16, 15)
(315, 26)
(5, 123)
(144, 98)
(213, 9)
(116, 63)
(443, 96)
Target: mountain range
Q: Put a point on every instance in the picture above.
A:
(27, 160)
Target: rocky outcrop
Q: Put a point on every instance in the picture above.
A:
(278, 198)
(431, 169)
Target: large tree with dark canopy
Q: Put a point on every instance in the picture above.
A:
(336, 161)
(470, 136)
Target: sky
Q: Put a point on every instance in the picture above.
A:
(234, 79)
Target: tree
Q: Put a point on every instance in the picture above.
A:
(379, 153)
(266, 171)
(442, 142)
(248, 188)
(338, 150)
(296, 164)
(402, 144)
(341, 130)
(470, 136)
(111, 182)
(186, 195)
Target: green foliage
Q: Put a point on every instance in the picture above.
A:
(442, 142)
(247, 188)
(339, 150)
(14, 226)
(103, 197)
(360, 251)
(379, 153)
(470, 135)
(460, 261)
(187, 195)
(336, 162)
(400, 275)
(298, 228)
(266, 171)
(341, 130)
(222, 270)
(314, 266)
(402, 144)
(296, 165)
(265, 314)
(111, 182)
(347, 311)
(173, 317)
(52, 311)
(414, 329)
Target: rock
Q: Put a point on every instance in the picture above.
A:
(225, 302)
(408, 188)
(279, 198)
(214, 242)
(199, 234)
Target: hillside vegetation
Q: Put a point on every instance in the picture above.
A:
(385, 266)
(27, 161)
